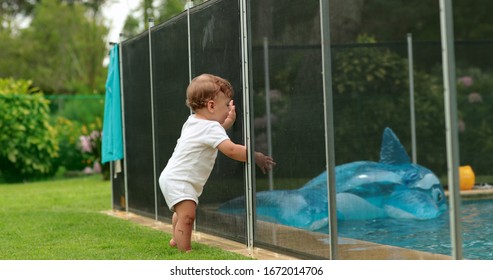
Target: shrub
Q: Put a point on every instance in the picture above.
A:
(371, 91)
(28, 141)
(84, 109)
(80, 147)
(474, 101)
(90, 144)
(70, 155)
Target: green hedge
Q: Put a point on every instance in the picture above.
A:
(28, 142)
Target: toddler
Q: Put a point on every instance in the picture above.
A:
(202, 135)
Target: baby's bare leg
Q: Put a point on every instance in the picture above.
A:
(185, 213)
(174, 219)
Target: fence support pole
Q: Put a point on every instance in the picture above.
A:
(411, 96)
(249, 172)
(153, 130)
(125, 179)
(267, 108)
(188, 6)
(450, 96)
(329, 126)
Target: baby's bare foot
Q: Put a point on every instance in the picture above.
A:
(172, 243)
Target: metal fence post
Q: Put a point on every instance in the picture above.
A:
(329, 125)
(153, 132)
(411, 96)
(244, 40)
(450, 96)
(125, 180)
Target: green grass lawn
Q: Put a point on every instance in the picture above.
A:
(63, 220)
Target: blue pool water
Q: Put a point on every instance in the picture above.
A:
(431, 235)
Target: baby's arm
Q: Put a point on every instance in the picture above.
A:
(238, 152)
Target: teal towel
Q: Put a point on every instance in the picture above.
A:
(112, 142)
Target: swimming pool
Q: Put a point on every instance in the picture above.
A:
(431, 235)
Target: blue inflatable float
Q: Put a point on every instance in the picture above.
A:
(391, 188)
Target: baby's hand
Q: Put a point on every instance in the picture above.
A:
(232, 112)
(230, 120)
(265, 163)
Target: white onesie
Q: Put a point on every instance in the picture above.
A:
(192, 161)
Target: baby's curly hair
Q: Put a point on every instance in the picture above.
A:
(204, 88)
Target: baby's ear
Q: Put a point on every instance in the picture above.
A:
(210, 105)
